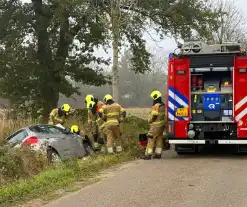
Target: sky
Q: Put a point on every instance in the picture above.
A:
(168, 44)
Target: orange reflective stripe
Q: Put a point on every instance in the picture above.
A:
(99, 107)
(169, 128)
(155, 108)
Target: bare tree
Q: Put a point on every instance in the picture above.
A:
(116, 17)
(232, 23)
(127, 20)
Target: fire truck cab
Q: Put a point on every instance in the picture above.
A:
(207, 96)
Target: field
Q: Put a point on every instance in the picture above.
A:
(8, 126)
(139, 112)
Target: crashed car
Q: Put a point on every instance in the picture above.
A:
(58, 143)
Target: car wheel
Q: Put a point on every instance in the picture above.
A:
(53, 156)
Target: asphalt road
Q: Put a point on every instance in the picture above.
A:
(208, 180)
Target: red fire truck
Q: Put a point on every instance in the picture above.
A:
(207, 96)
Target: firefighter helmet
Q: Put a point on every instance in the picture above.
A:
(155, 95)
(65, 108)
(107, 97)
(89, 98)
(74, 129)
(90, 104)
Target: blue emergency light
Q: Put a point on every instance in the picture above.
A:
(170, 56)
(211, 102)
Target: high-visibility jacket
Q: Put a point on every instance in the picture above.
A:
(111, 113)
(54, 117)
(99, 120)
(92, 118)
(157, 115)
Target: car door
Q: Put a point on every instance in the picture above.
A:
(56, 137)
(78, 147)
(67, 142)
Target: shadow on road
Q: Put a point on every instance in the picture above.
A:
(214, 151)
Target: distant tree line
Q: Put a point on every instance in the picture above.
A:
(135, 88)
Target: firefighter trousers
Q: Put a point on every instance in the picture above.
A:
(94, 129)
(112, 132)
(155, 140)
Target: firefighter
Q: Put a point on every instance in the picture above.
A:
(92, 117)
(156, 121)
(112, 113)
(89, 98)
(92, 106)
(75, 129)
(58, 115)
(100, 125)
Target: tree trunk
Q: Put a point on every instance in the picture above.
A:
(115, 72)
(49, 103)
(115, 15)
(48, 79)
(52, 69)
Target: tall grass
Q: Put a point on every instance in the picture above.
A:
(17, 163)
(23, 163)
(7, 127)
(25, 174)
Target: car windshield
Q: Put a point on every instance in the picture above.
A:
(18, 136)
(46, 129)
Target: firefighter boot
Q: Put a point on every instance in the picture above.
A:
(119, 149)
(146, 157)
(157, 156)
(148, 154)
(96, 144)
(103, 149)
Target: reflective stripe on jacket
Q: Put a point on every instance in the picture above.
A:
(112, 113)
(94, 117)
(54, 117)
(157, 115)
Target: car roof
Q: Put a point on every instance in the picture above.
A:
(27, 128)
(34, 125)
(37, 125)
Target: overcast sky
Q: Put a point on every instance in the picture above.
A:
(168, 45)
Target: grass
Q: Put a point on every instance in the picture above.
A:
(61, 177)
(25, 175)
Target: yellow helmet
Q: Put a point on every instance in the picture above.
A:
(90, 104)
(88, 98)
(65, 108)
(74, 129)
(107, 98)
(155, 95)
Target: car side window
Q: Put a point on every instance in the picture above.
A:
(18, 136)
(56, 130)
(40, 129)
(47, 129)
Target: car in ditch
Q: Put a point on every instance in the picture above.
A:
(58, 143)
